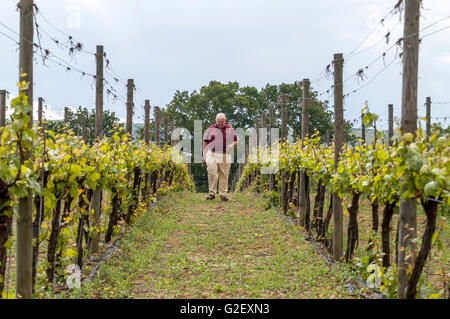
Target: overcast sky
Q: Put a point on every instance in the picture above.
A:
(169, 45)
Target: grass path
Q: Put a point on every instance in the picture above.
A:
(187, 247)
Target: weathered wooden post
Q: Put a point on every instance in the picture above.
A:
(271, 176)
(66, 115)
(391, 123)
(40, 105)
(166, 130)
(363, 130)
(99, 93)
(338, 228)
(147, 177)
(147, 122)
(83, 127)
(284, 182)
(303, 192)
(38, 201)
(2, 108)
(130, 108)
(284, 114)
(407, 220)
(246, 184)
(24, 224)
(263, 121)
(257, 126)
(428, 105)
(171, 129)
(157, 119)
(97, 193)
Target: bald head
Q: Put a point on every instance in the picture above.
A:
(221, 120)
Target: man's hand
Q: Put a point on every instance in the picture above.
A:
(231, 146)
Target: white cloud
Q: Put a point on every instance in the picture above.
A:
(50, 112)
(100, 7)
(169, 45)
(444, 58)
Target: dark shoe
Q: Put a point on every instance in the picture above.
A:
(224, 199)
(210, 197)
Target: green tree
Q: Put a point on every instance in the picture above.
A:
(75, 122)
(439, 127)
(242, 105)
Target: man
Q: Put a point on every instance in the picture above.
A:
(218, 142)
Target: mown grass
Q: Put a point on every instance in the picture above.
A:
(44, 290)
(187, 247)
(436, 273)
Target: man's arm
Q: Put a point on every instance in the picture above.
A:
(235, 143)
(203, 151)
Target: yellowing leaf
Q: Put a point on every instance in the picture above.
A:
(70, 252)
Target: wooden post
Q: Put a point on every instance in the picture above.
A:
(374, 205)
(147, 122)
(284, 183)
(147, 177)
(257, 130)
(284, 100)
(166, 130)
(66, 115)
(327, 136)
(24, 262)
(245, 163)
(270, 123)
(40, 104)
(83, 127)
(2, 108)
(375, 132)
(157, 133)
(263, 120)
(257, 137)
(338, 228)
(302, 200)
(99, 93)
(428, 104)
(97, 194)
(130, 107)
(363, 130)
(407, 219)
(239, 172)
(171, 129)
(271, 176)
(391, 123)
(262, 146)
(305, 109)
(263, 133)
(39, 204)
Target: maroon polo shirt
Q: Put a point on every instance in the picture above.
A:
(228, 136)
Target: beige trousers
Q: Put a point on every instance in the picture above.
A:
(218, 171)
